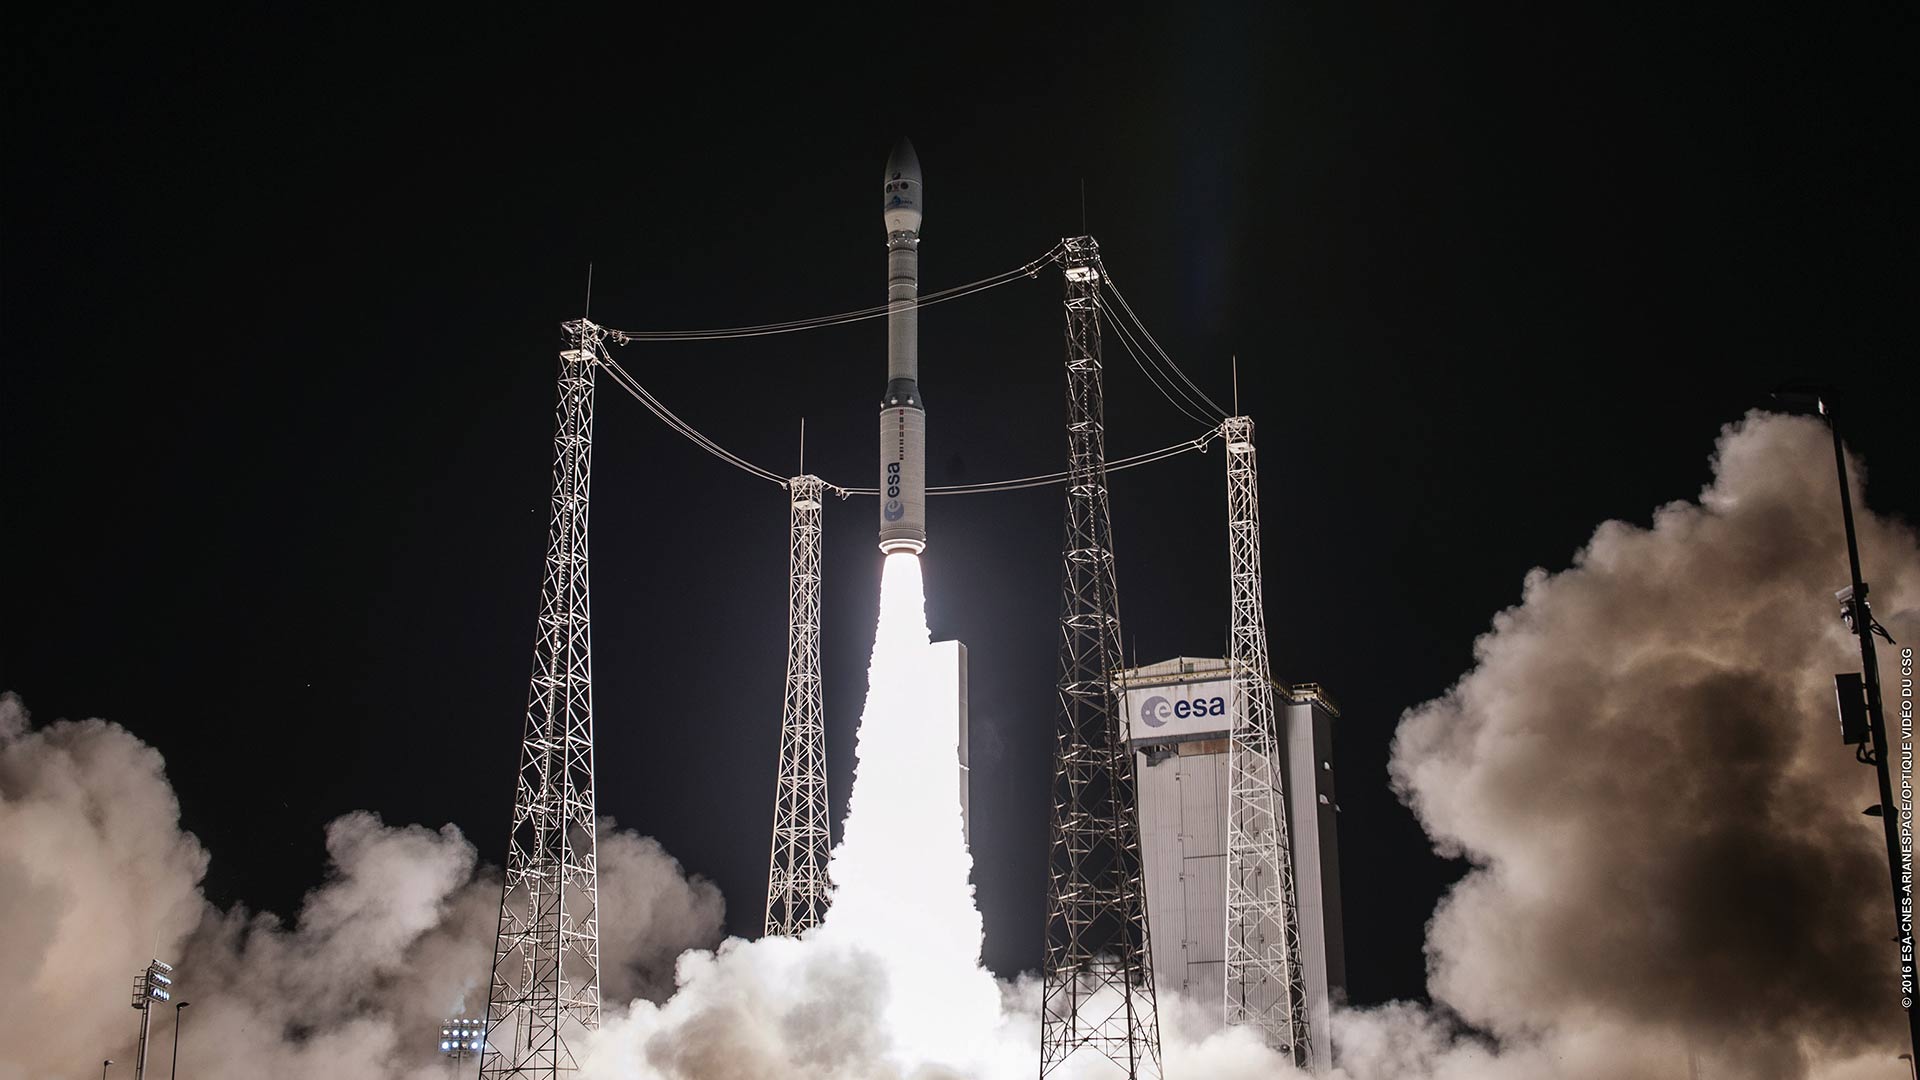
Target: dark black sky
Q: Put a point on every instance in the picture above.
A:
(281, 300)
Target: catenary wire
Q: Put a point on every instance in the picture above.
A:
(1107, 277)
(1185, 446)
(667, 416)
(1138, 353)
(940, 296)
(1145, 362)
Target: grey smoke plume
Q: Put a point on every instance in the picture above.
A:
(1670, 869)
(96, 877)
(1644, 770)
(87, 824)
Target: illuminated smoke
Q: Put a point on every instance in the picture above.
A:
(1644, 772)
(890, 986)
(96, 878)
(1667, 859)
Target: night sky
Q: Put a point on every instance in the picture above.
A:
(281, 305)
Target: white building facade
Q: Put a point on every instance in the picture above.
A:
(1179, 713)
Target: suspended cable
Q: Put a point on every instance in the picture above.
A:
(877, 311)
(1107, 279)
(1145, 362)
(1199, 442)
(1140, 355)
(1128, 308)
(666, 416)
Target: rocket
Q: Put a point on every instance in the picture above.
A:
(903, 416)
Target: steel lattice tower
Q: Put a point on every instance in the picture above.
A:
(1265, 987)
(1097, 980)
(546, 960)
(797, 865)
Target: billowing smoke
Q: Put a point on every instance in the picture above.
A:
(1644, 770)
(1670, 872)
(890, 986)
(96, 878)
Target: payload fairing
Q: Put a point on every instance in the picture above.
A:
(903, 416)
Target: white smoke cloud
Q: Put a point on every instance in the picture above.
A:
(1669, 859)
(95, 875)
(1670, 871)
(889, 986)
(651, 912)
(96, 878)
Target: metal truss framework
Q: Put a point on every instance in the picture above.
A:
(1097, 980)
(545, 988)
(1265, 987)
(797, 888)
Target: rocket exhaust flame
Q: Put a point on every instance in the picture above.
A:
(900, 874)
(889, 986)
(99, 876)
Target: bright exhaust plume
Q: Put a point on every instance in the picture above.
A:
(900, 873)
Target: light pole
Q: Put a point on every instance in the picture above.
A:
(1863, 721)
(462, 1038)
(175, 1068)
(103, 1068)
(151, 985)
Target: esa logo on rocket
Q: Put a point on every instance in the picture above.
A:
(894, 510)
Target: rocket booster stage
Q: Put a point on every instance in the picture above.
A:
(903, 416)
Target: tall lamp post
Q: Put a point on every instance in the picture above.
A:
(175, 1068)
(104, 1066)
(151, 985)
(461, 1039)
(1863, 721)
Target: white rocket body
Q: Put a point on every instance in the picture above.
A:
(903, 416)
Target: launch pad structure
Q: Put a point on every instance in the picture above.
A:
(797, 884)
(544, 993)
(1096, 976)
(1098, 971)
(1264, 975)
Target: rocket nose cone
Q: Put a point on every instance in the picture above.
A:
(902, 195)
(903, 163)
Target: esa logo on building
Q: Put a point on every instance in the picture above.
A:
(1156, 711)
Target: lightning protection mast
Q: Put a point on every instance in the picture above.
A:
(1097, 981)
(1265, 983)
(545, 988)
(797, 865)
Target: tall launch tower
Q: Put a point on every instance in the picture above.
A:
(1265, 977)
(1097, 979)
(797, 885)
(545, 988)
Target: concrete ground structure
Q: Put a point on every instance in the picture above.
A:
(1179, 713)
